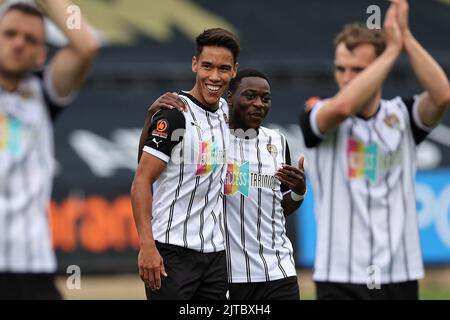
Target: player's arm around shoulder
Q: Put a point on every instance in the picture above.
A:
(71, 64)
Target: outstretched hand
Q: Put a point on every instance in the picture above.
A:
(292, 177)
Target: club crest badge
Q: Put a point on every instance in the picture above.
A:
(272, 149)
(392, 120)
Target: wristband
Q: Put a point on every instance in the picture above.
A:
(297, 197)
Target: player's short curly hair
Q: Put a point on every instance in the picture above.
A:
(246, 73)
(220, 38)
(356, 34)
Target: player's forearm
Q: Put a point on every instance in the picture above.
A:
(428, 72)
(289, 206)
(141, 200)
(81, 38)
(352, 98)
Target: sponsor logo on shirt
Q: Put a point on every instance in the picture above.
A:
(239, 179)
(209, 158)
(162, 128)
(368, 161)
(157, 142)
(362, 160)
(11, 134)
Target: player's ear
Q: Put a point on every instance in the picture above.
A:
(230, 98)
(194, 64)
(236, 66)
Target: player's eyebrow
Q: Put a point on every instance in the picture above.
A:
(251, 90)
(221, 66)
(225, 66)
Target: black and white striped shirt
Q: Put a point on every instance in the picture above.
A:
(26, 173)
(363, 176)
(258, 249)
(187, 201)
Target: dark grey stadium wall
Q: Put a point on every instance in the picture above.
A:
(96, 138)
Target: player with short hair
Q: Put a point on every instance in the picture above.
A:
(176, 192)
(30, 99)
(261, 187)
(360, 150)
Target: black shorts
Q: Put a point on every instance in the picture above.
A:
(346, 291)
(28, 286)
(192, 275)
(283, 289)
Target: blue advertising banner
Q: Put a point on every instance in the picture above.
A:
(433, 210)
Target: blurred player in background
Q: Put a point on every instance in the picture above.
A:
(177, 189)
(361, 161)
(30, 99)
(259, 254)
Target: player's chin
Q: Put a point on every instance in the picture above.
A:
(16, 69)
(254, 122)
(212, 98)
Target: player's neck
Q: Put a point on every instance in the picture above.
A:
(196, 94)
(235, 123)
(241, 131)
(9, 83)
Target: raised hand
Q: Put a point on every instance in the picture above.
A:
(169, 100)
(402, 15)
(394, 37)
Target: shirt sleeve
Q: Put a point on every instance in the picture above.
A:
(308, 124)
(287, 156)
(55, 103)
(419, 130)
(166, 131)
